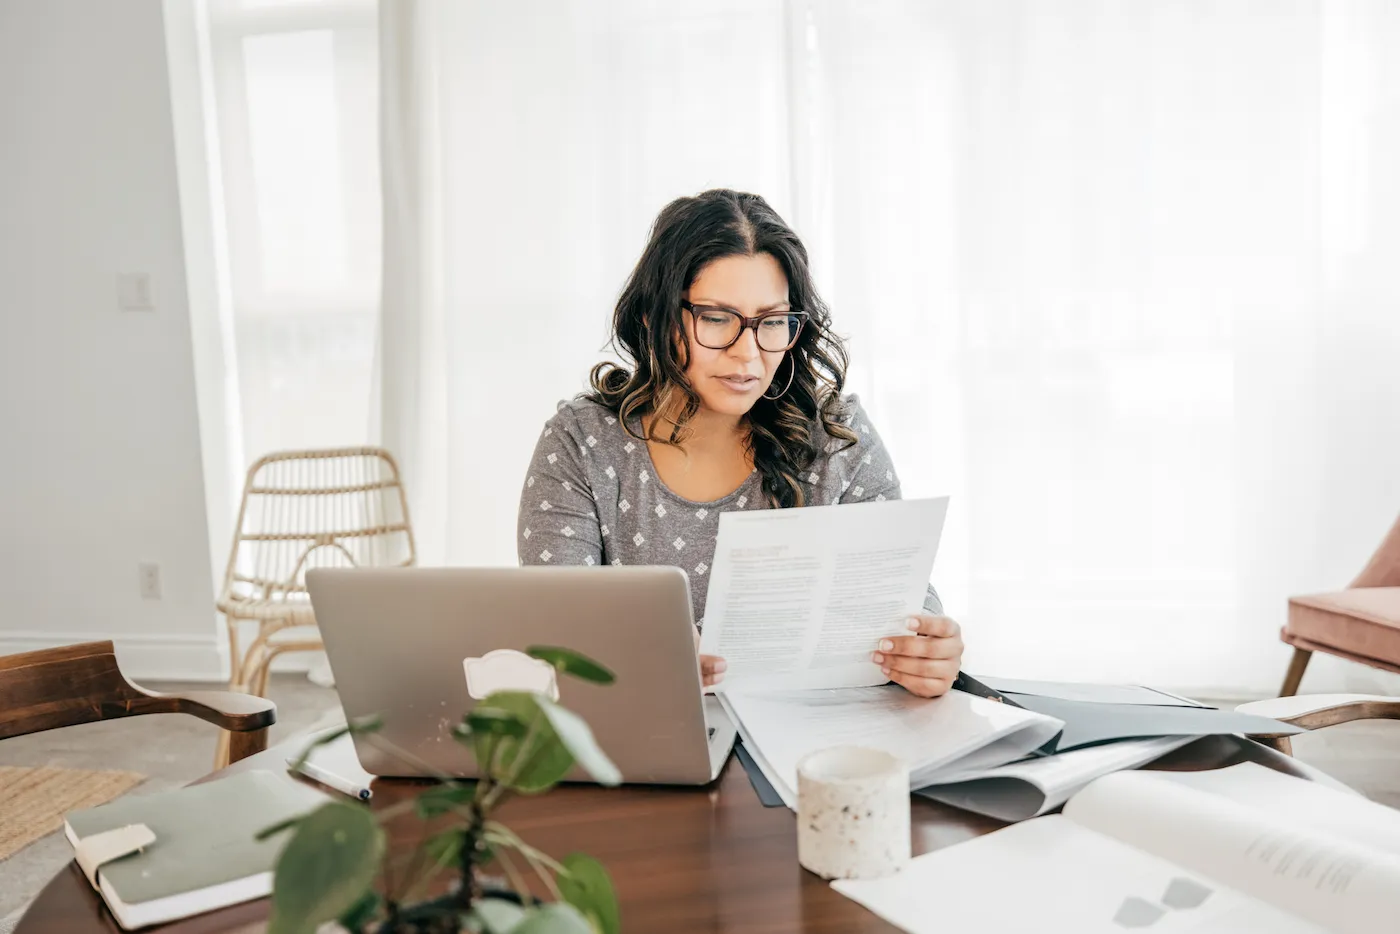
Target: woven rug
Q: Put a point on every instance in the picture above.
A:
(34, 800)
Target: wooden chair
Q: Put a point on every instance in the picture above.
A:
(53, 688)
(1320, 710)
(339, 507)
(1361, 623)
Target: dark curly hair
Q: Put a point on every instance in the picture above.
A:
(649, 334)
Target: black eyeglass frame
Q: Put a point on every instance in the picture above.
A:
(746, 322)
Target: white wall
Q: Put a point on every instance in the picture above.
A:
(101, 467)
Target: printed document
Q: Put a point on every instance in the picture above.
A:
(1243, 850)
(799, 598)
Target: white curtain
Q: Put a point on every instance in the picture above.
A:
(1116, 276)
(294, 171)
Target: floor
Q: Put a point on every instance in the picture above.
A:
(174, 749)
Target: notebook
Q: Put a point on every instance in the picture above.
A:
(204, 855)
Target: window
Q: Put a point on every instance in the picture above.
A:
(295, 88)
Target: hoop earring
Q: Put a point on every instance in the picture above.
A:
(792, 373)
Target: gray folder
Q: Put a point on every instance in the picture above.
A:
(1088, 723)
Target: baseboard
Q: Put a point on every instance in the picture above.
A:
(142, 656)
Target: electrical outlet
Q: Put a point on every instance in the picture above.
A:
(149, 573)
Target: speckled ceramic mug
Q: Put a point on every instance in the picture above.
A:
(852, 813)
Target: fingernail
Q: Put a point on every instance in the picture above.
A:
(885, 670)
(721, 667)
(912, 622)
(877, 658)
(886, 645)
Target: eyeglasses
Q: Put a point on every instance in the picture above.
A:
(720, 328)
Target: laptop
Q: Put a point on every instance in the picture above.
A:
(413, 645)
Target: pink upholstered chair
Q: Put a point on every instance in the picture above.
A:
(1361, 623)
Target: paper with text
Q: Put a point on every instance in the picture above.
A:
(1051, 875)
(1340, 883)
(799, 598)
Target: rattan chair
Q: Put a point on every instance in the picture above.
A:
(341, 507)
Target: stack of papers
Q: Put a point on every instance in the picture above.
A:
(798, 601)
(954, 737)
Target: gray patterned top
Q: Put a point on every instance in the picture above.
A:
(592, 496)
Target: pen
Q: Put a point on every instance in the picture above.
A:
(331, 780)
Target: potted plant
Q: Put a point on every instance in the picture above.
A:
(333, 865)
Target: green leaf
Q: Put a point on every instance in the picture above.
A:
(444, 849)
(533, 762)
(442, 798)
(361, 913)
(326, 868)
(572, 663)
(573, 732)
(489, 720)
(586, 885)
(555, 738)
(558, 918)
(498, 916)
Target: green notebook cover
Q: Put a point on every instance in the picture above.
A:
(204, 834)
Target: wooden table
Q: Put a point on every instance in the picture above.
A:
(710, 859)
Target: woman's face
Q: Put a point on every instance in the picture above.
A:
(730, 381)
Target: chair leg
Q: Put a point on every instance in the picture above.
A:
(222, 750)
(270, 653)
(243, 745)
(234, 659)
(255, 658)
(265, 670)
(1295, 672)
(1283, 744)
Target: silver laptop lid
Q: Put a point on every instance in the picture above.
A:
(400, 640)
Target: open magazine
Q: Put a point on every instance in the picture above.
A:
(1243, 850)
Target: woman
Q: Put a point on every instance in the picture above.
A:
(731, 400)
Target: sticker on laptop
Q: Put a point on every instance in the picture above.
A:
(509, 670)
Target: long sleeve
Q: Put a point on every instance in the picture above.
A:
(558, 520)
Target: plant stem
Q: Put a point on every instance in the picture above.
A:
(488, 782)
(472, 840)
(526, 748)
(516, 881)
(545, 877)
(512, 839)
(538, 861)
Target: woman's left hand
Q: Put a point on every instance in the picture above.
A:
(927, 661)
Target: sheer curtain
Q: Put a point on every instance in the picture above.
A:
(297, 171)
(1114, 276)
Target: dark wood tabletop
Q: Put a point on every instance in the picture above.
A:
(683, 859)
